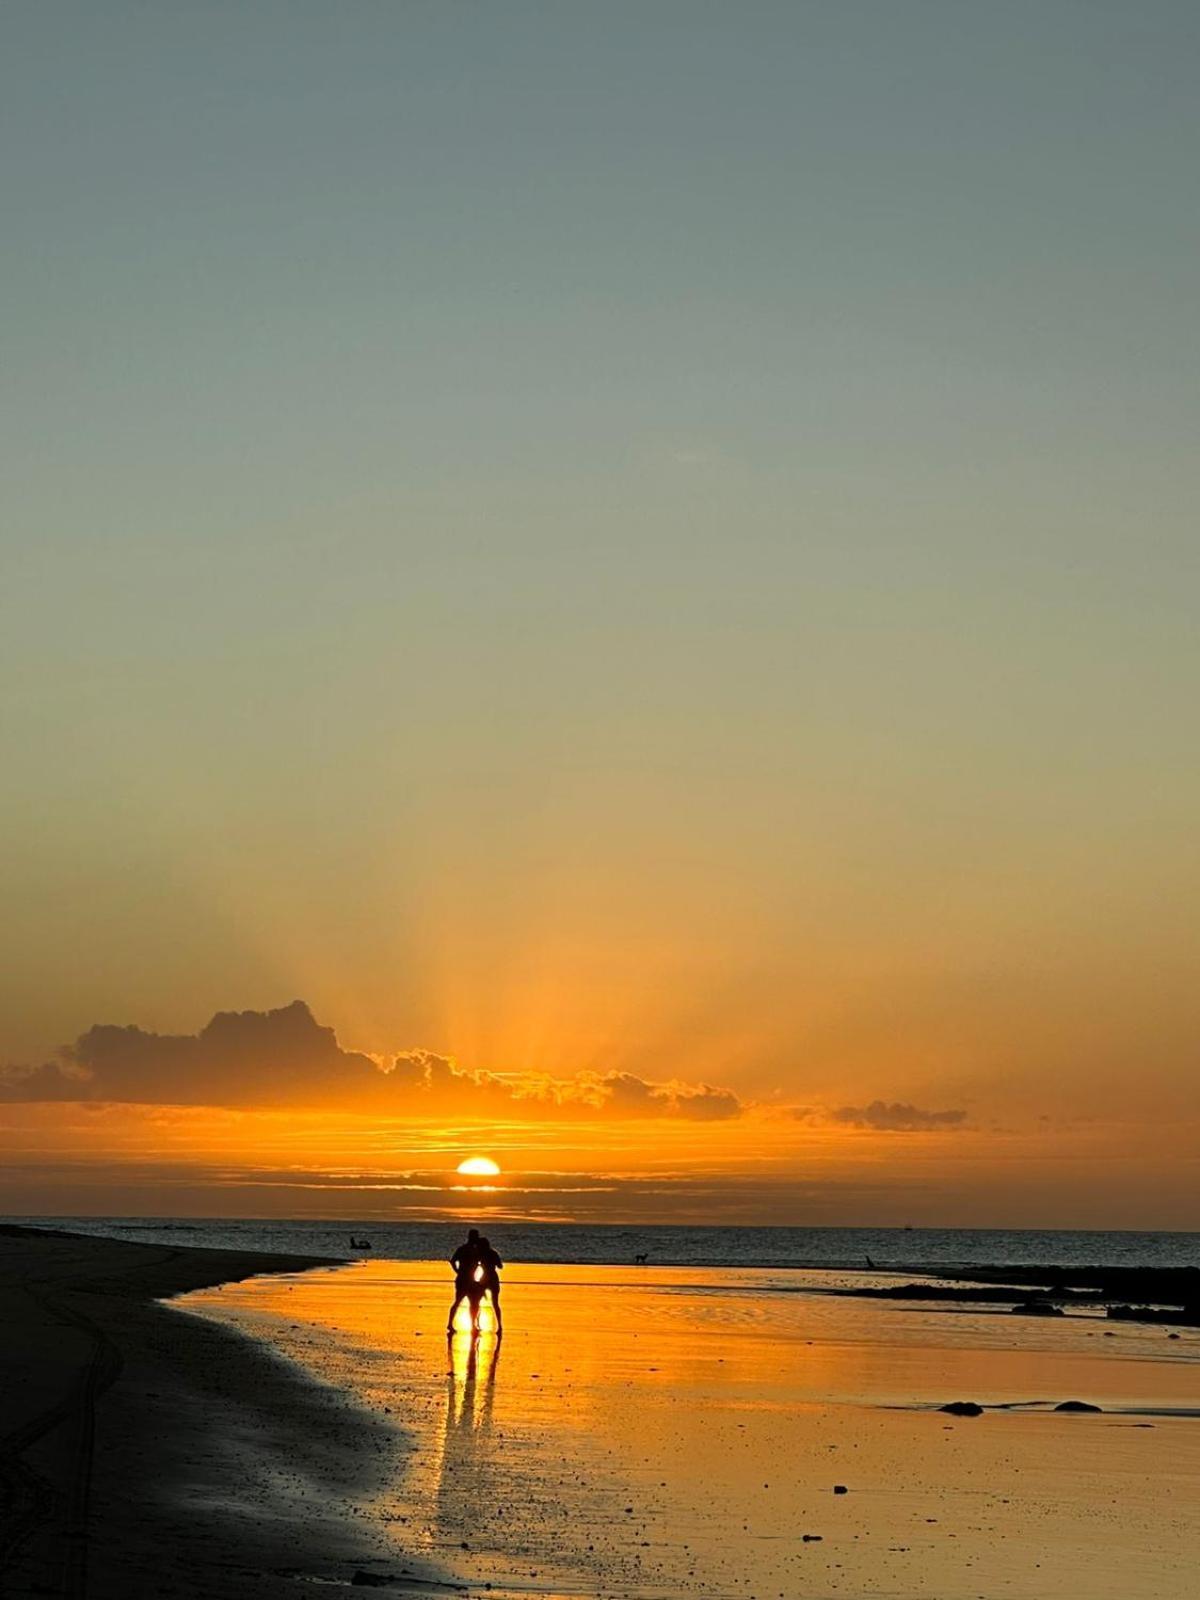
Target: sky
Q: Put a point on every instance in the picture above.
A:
(644, 554)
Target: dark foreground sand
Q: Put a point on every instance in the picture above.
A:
(143, 1453)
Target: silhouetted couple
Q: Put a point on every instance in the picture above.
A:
(476, 1274)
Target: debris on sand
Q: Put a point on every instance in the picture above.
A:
(963, 1408)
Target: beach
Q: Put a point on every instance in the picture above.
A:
(643, 1432)
(638, 1432)
(140, 1453)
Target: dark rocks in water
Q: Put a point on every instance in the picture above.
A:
(840, 1488)
(962, 1408)
(1026, 1298)
(1163, 1294)
(1170, 1286)
(955, 1294)
(1183, 1316)
(1076, 1405)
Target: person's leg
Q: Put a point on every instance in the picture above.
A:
(459, 1295)
(495, 1287)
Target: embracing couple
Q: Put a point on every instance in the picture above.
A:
(476, 1273)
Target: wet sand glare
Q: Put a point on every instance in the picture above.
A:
(675, 1431)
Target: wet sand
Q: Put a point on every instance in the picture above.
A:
(670, 1432)
(637, 1433)
(145, 1454)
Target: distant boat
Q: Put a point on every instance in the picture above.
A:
(360, 1244)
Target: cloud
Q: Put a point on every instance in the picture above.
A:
(239, 1058)
(286, 1058)
(133, 1188)
(47, 1082)
(445, 1085)
(897, 1117)
(625, 1092)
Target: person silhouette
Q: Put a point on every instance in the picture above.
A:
(476, 1273)
(467, 1285)
(489, 1260)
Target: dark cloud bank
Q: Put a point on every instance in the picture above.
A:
(897, 1118)
(285, 1058)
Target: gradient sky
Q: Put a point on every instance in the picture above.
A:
(616, 539)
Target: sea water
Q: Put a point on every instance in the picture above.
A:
(906, 1250)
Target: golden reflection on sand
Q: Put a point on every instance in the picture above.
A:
(648, 1432)
(469, 1396)
(464, 1472)
(486, 1314)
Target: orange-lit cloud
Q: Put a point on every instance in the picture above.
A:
(286, 1058)
(265, 1114)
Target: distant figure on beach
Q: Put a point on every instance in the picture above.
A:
(476, 1274)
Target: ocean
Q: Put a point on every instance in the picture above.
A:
(903, 1250)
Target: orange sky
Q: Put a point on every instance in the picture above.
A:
(308, 1129)
(650, 556)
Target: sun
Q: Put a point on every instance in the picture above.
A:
(478, 1167)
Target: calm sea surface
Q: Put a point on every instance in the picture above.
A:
(840, 1249)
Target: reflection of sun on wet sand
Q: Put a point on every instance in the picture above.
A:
(670, 1431)
(462, 1319)
(466, 1497)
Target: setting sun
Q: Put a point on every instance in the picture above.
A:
(478, 1167)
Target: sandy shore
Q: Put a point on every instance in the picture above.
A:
(145, 1454)
(641, 1435)
(656, 1433)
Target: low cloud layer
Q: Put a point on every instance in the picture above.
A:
(134, 1188)
(897, 1117)
(286, 1058)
